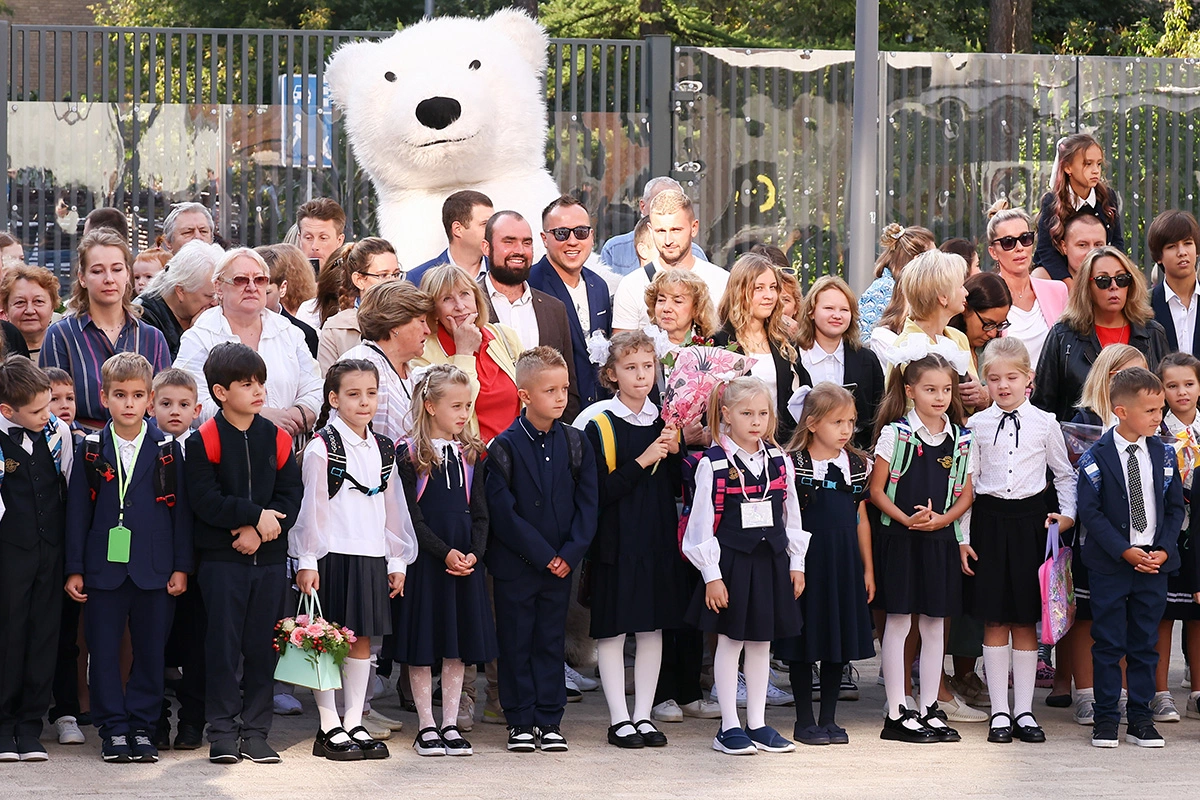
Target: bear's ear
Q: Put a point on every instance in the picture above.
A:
(529, 37)
(346, 66)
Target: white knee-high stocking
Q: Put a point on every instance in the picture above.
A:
(757, 668)
(933, 654)
(995, 670)
(725, 679)
(895, 631)
(356, 674)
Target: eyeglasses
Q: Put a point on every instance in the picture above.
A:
(242, 281)
(384, 276)
(1123, 280)
(581, 232)
(989, 326)
(1010, 242)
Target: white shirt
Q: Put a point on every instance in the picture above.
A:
(67, 452)
(351, 523)
(579, 299)
(824, 366)
(646, 416)
(1031, 328)
(519, 315)
(763, 368)
(886, 446)
(1187, 470)
(127, 450)
(393, 415)
(1011, 464)
(1184, 318)
(1146, 478)
(879, 342)
(629, 304)
(700, 545)
(1080, 202)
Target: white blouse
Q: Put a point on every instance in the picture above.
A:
(822, 366)
(700, 545)
(351, 523)
(763, 368)
(1031, 328)
(393, 416)
(642, 418)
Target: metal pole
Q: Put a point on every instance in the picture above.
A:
(428, 9)
(661, 83)
(5, 41)
(863, 147)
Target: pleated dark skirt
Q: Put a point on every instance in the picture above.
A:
(443, 616)
(762, 606)
(636, 595)
(354, 593)
(1182, 585)
(917, 572)
(1009, 536)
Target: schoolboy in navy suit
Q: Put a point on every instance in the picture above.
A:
(36, 453)
(1131, 505)
(129, 552)
(542, 494)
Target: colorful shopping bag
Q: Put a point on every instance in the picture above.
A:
(1058, 589)
(308, 648)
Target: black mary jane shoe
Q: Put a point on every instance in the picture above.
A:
(458, 746)
(1030, 734)
(652, 737)
(336, 751)
(935, 720)
(897, 730)
(630, 741)
(1059, 700)
(371, 748)
(1001, 733)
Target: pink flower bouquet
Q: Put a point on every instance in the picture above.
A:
(311, 649)
(697, 371)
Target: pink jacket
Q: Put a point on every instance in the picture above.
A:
(1051, 297)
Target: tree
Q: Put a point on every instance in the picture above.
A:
(1010, 29)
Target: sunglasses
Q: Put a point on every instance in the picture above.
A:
(581, 232)
(242, 281)
(989, 326)
(1123, 280)
(1010, 242)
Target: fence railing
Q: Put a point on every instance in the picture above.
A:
(141, 118)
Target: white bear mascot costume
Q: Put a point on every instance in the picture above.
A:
(445, 105)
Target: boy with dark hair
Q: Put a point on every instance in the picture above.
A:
(36, 449)
(543, 519)
(129, 552)
(243, 479)
(1131, 504)
(1172, 241)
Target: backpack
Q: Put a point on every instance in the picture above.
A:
(807, 485)
(902, 459)
(720, 464)
(53, 441)
(336, 457)
(423, 480)
(608, 439)
(212, 443)
(166, 469)
(500, 458)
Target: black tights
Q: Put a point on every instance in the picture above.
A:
(831, 682)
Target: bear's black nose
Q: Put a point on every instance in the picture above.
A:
(438, 112)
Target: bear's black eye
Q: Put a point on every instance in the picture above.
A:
(390, 77)
(474, 64)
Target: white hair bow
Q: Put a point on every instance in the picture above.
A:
(914, 348)
(419, 374)
(598, 348)
(662, 340)
(795, 405)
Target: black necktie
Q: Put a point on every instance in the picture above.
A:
(1137, 503)
(19, 435)
(1016, 421)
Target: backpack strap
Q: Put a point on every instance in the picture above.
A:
(212, 440)
(608, 439)
(166, 472)
(422, 478)
(338, 472)
(574, 450)
(96, 470)
(902, 456)
(860, 468)
(958, 471)
(387, 458)
(283, 448)
(500, 459)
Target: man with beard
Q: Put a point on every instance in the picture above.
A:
(538, 318)
(674, 225)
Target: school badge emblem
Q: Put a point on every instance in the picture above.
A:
(946, 461)
(10, 465)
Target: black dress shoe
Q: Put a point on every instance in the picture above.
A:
(1032, 734)
(371, 748)
(336, 751)
(188, 737)
(651, 735)
(897, 730)
(162, 735)
(1001, 733)
(935, 720)
(630, 741)
(1059, 700)
(458, 746)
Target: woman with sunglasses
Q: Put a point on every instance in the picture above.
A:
(1108, 304)
(986, 315)
(1036, 304)
(363, 264)
(241, 315)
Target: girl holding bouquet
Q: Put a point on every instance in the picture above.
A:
(353, 540)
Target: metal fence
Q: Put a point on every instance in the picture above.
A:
(240, 120)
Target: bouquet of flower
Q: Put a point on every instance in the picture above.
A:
(695, 371)
(311, 649)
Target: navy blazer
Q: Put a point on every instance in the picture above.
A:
(1103, 503)
(160, 538)
(415, 274)
(1162, 313)
(532, 523)
(545, 278)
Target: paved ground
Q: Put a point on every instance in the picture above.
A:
(1065, 767)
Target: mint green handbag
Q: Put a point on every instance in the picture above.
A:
(318, 671)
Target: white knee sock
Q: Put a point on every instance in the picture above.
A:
(895, 631)
(328, 712)
(452, 681)
(995, 671)
(645, 673)
(933, 654)
(421, 681)
(725, 679)
(611, 655)
(356, 674)
(1024, 679)
(757, 667)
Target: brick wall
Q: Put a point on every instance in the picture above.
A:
(52, 12)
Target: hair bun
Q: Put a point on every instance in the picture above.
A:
(1000, 205)
(891, 235)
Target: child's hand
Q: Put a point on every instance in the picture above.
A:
(797, 583)
(1139, 559)
(268, 524)
(1157, 558)
(246, 541)
(453, 559)
(308, 581)
(697, 434)
(656, 452)
(396, 584)
(74, 588)
(471, 560)
(926, 520)
(1063, 522)
(673, 442)
(559, 568)
(177, 585)
(458, 565)
(716, 596)
(965, 551)
(921, 516)
(869, 580)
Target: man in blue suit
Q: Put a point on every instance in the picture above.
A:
(1130, 501)
(464, 217)
(128, 554)
(568, 236)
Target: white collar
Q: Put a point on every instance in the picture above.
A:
(1175, 425)
(645, 416)
(999, 412)
(732, 449)
(817, 353)
(1123, 444)
(1080, 202)
(527, 297)
(915, 423)
(119, 441)
(1170, 293)
(349, 437)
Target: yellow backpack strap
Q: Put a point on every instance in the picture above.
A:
(608, 440)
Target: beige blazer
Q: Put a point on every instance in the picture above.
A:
(338, 334)
(504, 349)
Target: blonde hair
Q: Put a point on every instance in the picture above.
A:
(806, 333)
(233, 255)
(126, 367)
(445, 278)
(735, 303)
(704, 314)
(534, 361)
(1112, 359)
(1001, 212)
(287, 263)
(824, 399)
(900, 246)
(670, 201)
(80, 303)
(733, 394)
(931, 276)
(1006, 350)
(430, 389)
(1080, 313)
(621, 345)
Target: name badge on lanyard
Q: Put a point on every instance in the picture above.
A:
(758, 514)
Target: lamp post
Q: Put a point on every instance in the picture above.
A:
(864, 146)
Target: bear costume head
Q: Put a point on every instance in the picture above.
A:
(447, 104)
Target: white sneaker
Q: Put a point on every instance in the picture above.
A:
(957, 710)
(379, 732)
(778, 697)
(466, 714)
(781, 678)
(667, 711)
(741, 692)
(1085, 707)
(286, 705)
(1193, 706)
(1123, 706)
(68, 731)
(1162, 707)
(1186, 683)
(376, 716)
(701, 709)
(582, 683)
